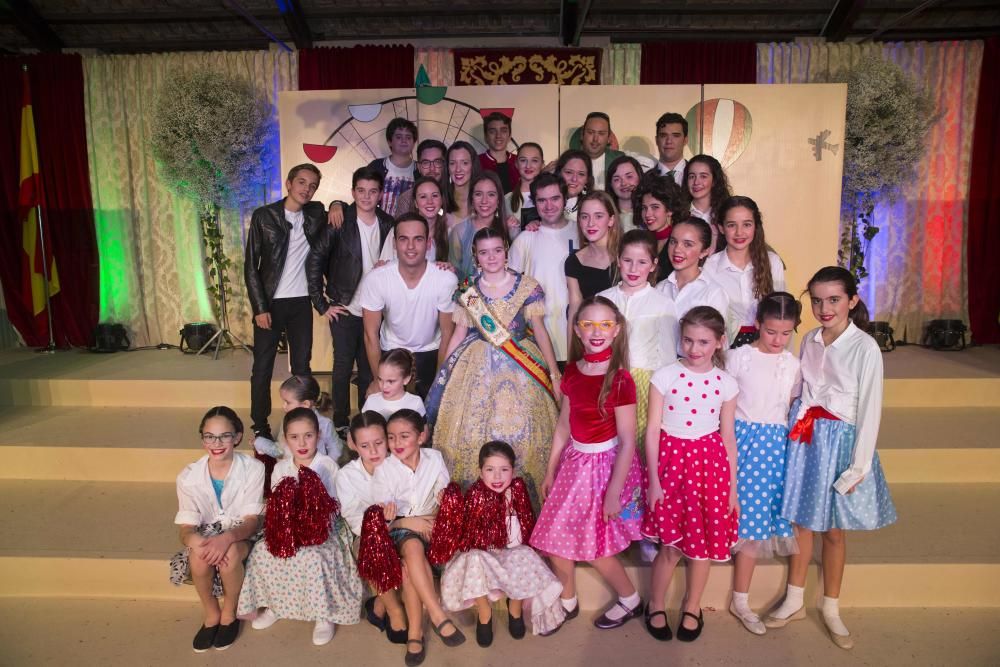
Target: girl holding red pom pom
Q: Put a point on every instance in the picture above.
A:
(485, 545)
(303, 569)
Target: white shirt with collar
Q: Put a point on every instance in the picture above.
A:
(678, 170)
(324, 467)
(846, 379)
(242, 493)
(355, 493)
(702, 291)
(414, 491)
(768, 383)
(652, 323)
(293, 273)
(409, 316)
(738, 286)
(599, 167)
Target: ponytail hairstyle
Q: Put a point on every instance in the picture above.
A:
(367, 419)
(402, 359)
(440, 231)
(711, 319)
(497, 448)
(647, 241)
(226, 413)
(497, 222)
(300, 414)
(704, 233)
(415, 419)
(780, 306)
(448, 194)
(619, 347)
(763, 281)
(838, 274)
(516, 198)
(305, 388)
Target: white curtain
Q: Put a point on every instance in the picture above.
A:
(622, 64)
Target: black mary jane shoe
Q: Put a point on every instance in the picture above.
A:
(660, 634)
(226, 635)
(454, 639)
(604, 622)
(686, 635)
(515, 626)
(395, 636)
(204, 639)
(414, 659)
(378, 621)
(484, 632)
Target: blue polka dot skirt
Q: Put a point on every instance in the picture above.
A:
(760, 482)
(810, 472)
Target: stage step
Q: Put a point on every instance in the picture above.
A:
(108, 539)
(153, 444)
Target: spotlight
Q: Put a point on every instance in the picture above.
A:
(110, 337)
(882, 333)
(194, 335)
(946, 335)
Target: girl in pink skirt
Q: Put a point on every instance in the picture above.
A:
(592, 491)
(691, 456)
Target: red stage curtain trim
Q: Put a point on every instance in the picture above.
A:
(683, 63)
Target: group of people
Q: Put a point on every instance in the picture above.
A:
(592, 368)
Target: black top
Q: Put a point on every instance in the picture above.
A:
(663, 266)
(591, 280)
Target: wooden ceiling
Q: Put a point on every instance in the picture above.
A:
(132, 26)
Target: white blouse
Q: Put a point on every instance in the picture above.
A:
(738, 285)
(414, 491)
(652, 325)
(354, 491)
(242, 493)
(324, 467)
(845, 378)
(702, 291)
(768, 383)
(327, 443)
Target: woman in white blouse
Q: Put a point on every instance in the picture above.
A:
(747, 269)
(220, 499)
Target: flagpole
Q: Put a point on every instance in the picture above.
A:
(51, 347)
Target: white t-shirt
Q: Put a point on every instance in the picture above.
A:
(397, 181)
(370, 238)
(542, 255)
(768, 383)
(599, 166)
(409, 316)
(692, 401)
(386, 408)
(293, 274)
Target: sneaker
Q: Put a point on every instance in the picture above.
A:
(204, 639)
(323, 632)
(226, 635)
(264, 620)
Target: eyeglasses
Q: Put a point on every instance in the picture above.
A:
(602, 325)
(427, 164)
(211, 438)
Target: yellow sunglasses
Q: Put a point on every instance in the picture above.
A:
(602, 325)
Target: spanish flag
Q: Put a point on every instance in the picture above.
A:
(28, 200)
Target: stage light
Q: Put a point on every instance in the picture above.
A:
(946, 335)
(110, 337)
(194, 335)
(883, 335)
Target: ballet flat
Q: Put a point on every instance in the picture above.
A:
(775, 622)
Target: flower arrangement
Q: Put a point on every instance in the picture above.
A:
(888, 118)
(210, 136)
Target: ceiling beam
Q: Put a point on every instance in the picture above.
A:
(249, 18)
(581, 19)
(841, 18)
(295, 21)
(900, 20)
(31, 24)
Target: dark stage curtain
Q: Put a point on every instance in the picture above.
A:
(67, 211)
(984, 203)
(698, 62)
(349, 68)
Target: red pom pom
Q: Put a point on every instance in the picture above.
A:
(279, 524)
(522, 508)
(314, 510)
(269, 463)
(378, 562)
(486, 518)
(447, 536)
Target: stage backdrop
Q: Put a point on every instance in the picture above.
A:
(764, 136)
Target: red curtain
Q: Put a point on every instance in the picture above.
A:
(698, 62)
(984, 203)
(67, 211)
(349, 68)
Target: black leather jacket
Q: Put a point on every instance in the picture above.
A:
(267, 247)
(336, 258)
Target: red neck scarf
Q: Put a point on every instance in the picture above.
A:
(598, 357)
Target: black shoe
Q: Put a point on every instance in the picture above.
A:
(454, 639)
(570, 615)
(484, 632)
(515, 626)
(394, 636)
(685, 635)
(373, 618)
(226, 635)
(414, 659)
(605, 623)
(660, 634)
(204, 639)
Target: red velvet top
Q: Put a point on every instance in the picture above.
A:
(586, 424)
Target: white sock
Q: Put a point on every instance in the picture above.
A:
(630, 602)
(569, 604)
(831, 616)
(793, 602)
(741, 603)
